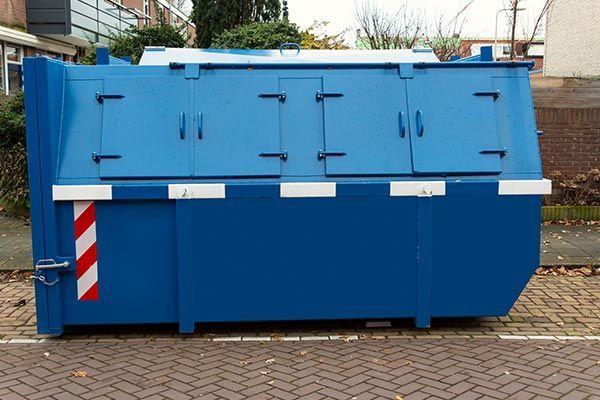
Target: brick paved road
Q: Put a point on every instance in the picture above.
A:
(548, 306)
(383, 364)
(365, 369)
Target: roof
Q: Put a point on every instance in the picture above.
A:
(164, 56)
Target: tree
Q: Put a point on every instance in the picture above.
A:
(212, 17)
(267, 35)
(315, 38)
(285, 12)
(537, 27)
(401, 29)
(513, 8)
(445, 39)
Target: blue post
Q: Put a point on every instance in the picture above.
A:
(102, 57)
(487, 53)
(424, 249)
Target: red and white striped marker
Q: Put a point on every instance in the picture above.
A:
(85, 250)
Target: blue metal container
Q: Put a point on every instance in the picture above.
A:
(210, 186)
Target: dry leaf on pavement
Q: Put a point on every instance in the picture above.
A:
(79, 374)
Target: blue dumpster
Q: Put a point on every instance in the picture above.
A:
(213, 186)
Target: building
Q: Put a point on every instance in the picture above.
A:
(524, 51)
(572, 36)
(64, 29)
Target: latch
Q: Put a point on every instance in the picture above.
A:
(321, 95)
(281, 96)
(97, 157)
(100, 97)
(321, 154)
(49, 263)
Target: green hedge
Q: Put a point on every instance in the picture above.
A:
(14, 186)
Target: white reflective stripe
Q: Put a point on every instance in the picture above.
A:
(307, 189)
(87, 280)
(418, 188)
(81, 192)
(79, 207)
(84, 241)
(197, 191)
(510, 187)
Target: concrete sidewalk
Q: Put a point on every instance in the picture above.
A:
(561, 245)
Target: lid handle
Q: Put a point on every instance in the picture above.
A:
(289, 45)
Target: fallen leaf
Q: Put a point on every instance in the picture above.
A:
(265, 372)
(270, 382)
(47, 354)
(79, 374)
(398, 397)
(270, 361)
(244, 362)
(303, 353)
(20, 303)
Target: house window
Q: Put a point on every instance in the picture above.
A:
(2, 83)
(14, 69)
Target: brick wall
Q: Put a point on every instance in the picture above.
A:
(571, 140)
(568, 111)
(12, 13)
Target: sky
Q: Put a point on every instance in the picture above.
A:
(479, 17)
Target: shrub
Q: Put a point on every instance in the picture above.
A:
(580, 190)
(266, 35)
(14, 187)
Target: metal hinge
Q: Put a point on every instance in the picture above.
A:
(282, 155)
(321, 95)
(500, 152)
(100, 97)
(97, 157)
(321, 154)
(281, 96)
(492, 93)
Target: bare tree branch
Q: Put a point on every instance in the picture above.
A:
(398, 29)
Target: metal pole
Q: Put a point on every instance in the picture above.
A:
(496, 29)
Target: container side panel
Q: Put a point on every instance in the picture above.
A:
(137, 265)
(369, 123)
(485, 249)
(518, 132)
(274, 259)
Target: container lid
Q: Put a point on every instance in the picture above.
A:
(165, 56)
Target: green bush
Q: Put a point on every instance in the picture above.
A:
(14, 187)
(133, 41)
(266, 35)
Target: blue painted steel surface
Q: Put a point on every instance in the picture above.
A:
(285, 191)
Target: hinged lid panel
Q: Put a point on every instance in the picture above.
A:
(144, 125)
(237, 121)
(453, 122)
(366, 125)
